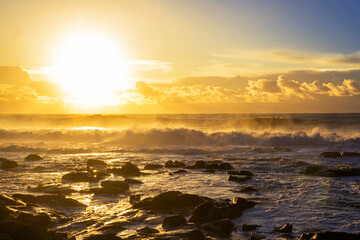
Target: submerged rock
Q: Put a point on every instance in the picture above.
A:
(50, 200)
(330, 154)
(322, 171)
(95, 162)
(133, 181)
(6, 164)
(52, 189)
(238, 179)
(248, 190)
(174, 221)
(127, 170)
(92, 175)
(33, 157)
(244, 173)
(350, 154)
(287, 228)
(153, 166)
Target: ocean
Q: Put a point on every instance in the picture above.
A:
(276, 148)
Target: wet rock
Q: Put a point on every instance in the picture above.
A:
(335, 236)
(92, 175)
(220, 166)
(153, 166)
(96, 162)
(6, 164)
(248, 190)
(134, 199)
(209, 171)
(313, 170)
(249, 227)
(50, 200)
(19, 231)
(4, 213)
(287, 228)
(350, 154)
(223, 228)
(113, 226)
(52, 189)
(172, 201)
(244, 173)
(106, 236)
(256, 236)
(206, 212)
(121, 185)
(174, 221)
(127, 170)
(281, 149)
(133, 181)
(147, 231)
(236, 209)
(179, 171)
(175, 164)
(182, 234)
(340, 172)
(330, 154)
(9, 201)
(33, 157)
(238, 179)
(306, 236)
(42, 219)
(198, 165)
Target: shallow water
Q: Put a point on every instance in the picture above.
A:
(285, 194)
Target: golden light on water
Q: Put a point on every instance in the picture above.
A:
(90, 67)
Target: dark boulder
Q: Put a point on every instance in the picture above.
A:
(105, 236)
(146, 231)
(111, 187)
(6, 164)
(287, 228)
(330, 154)
(236, 209)
(174, 164)
(9, 201)
(223, 227)
(198, 165)
(92, 175)
(206, 212)
(249, 227)
(350, 154)
(19, 231)
(4, 213)
(335, 236)
(179, 171)
(238, 179)
(220, 166)
(127, 170)
(244, 173)
(134, 199)
(49, 200)
(153, 166)
(248, 190)
(113, 226)
(174, 221)
(172, 201)
(33, 157)
(96, 162)
(351, 172)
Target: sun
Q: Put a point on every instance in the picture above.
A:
(91, 68)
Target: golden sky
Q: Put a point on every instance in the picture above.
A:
(172, 56)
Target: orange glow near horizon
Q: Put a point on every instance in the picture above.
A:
(90, 67)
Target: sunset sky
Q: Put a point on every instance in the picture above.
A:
(179, 56)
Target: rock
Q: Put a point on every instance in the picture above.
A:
(6, 164)
(106, 236)
(127, 170)
(313, 170)
(153, 166)
(244, 173)
(181, 234)
(172, 201)
(248, 190)
(121, 185)
(50, 200)
(238, 179)
(221, 166)
(336, 236)
(350, 154)
(179, 171)
(52, 189)
(116, 226)
(9, 201)
(306, 236)
(133, 181)
(174, 221)
(19, 231)
(4, 213)
(198, 165)
(134, 199)
(206, 212)
(223, 228)
(249, 227)
(96, 162)
(147, 231)
(40, 220)
(176, 164)
(330, 155)
(236, 209)
(33, 157)
(209, 171)
(92, 175)
(287, 228)
(340, 172)
(256, 236)
(281, 149)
